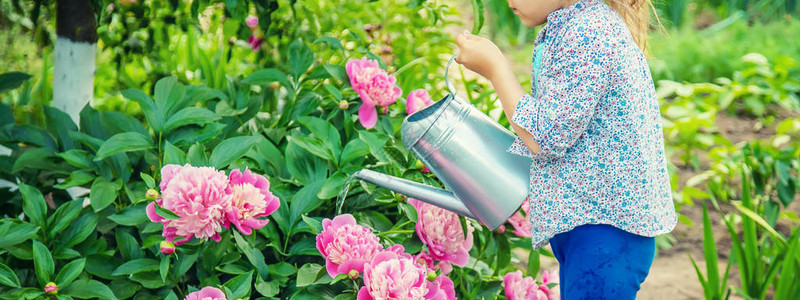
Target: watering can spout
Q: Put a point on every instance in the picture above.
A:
(428, 194)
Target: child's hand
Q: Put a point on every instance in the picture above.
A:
(479, 55)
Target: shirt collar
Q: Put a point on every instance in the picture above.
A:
(560, 16)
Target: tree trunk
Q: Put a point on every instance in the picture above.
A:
(75, 51)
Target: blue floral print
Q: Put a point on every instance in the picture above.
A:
(594, 113)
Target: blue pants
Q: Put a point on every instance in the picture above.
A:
(601, 262)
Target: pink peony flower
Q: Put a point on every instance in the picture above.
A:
(417, 100)
(425, 259)
(255, 41)
(547, 278)
(251, 21)
(250, 199)
(374, 86)
(346, 245)
(197, 196)
(441, 230)
(388, 276)
(522, 288)
(207, 293)
(521, 224)
(446, 290)
(399, 250)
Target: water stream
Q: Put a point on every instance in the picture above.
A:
(343, 193)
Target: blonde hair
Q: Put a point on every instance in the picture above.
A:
(636, 14)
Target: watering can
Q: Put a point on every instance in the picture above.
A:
(466, 150)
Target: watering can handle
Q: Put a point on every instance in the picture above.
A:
(447, 79)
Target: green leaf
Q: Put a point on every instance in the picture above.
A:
(136, 266)
(77, 158)
(305, 200)
(168, 94)
(148, 180)
(165, 213)
(184, 263)
(60, 124)
(76, 178)
(267, 288)
(150, 280)
(315, 224)
(477, 16)
(533, 262)
(130, 216)
(69, 272)
(333, 185)
(16, 233)
(101, 265)
(231, 149)
(300, 58)
(303, 166)
(39, 158)
(173, 155)
(42, 263)
(253, 255)
(354, 149)
(78, 231)
(88, 289)
(33, 204)
(103, 193)
(128, 245)
(190, 115)
(333, 42)
(148, 107)
(8, 277)
(313, 146)
(503, 251)
(123, 142)
(307, 274)
(12, 80)
(265, 76)
(375, 141)
(240, 285)
(64, 215)
(746, 212)
(163, 268)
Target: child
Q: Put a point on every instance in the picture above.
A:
(599, 189)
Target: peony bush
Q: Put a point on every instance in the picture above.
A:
(227, 186)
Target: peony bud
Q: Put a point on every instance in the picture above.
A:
(353, 274)
(501, 229)
(343, 105)
(167, 248)
(151, 195)
(252, 22)
(432, 276)
(51, 288)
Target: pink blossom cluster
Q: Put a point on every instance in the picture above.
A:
(388, 273)
(374, 86)
(518, 287)
(206, 201)
(256, 38)
(521, 224)
(441, 231)
(207, 293)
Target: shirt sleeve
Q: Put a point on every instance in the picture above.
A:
(577, 81)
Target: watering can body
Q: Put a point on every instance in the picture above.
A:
(466, 150)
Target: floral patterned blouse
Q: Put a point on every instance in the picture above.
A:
(594, 113)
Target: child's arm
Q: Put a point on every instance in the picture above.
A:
(483, 57)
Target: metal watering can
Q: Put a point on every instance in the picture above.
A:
(466, 150)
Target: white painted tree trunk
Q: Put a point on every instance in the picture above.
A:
(73, 76)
